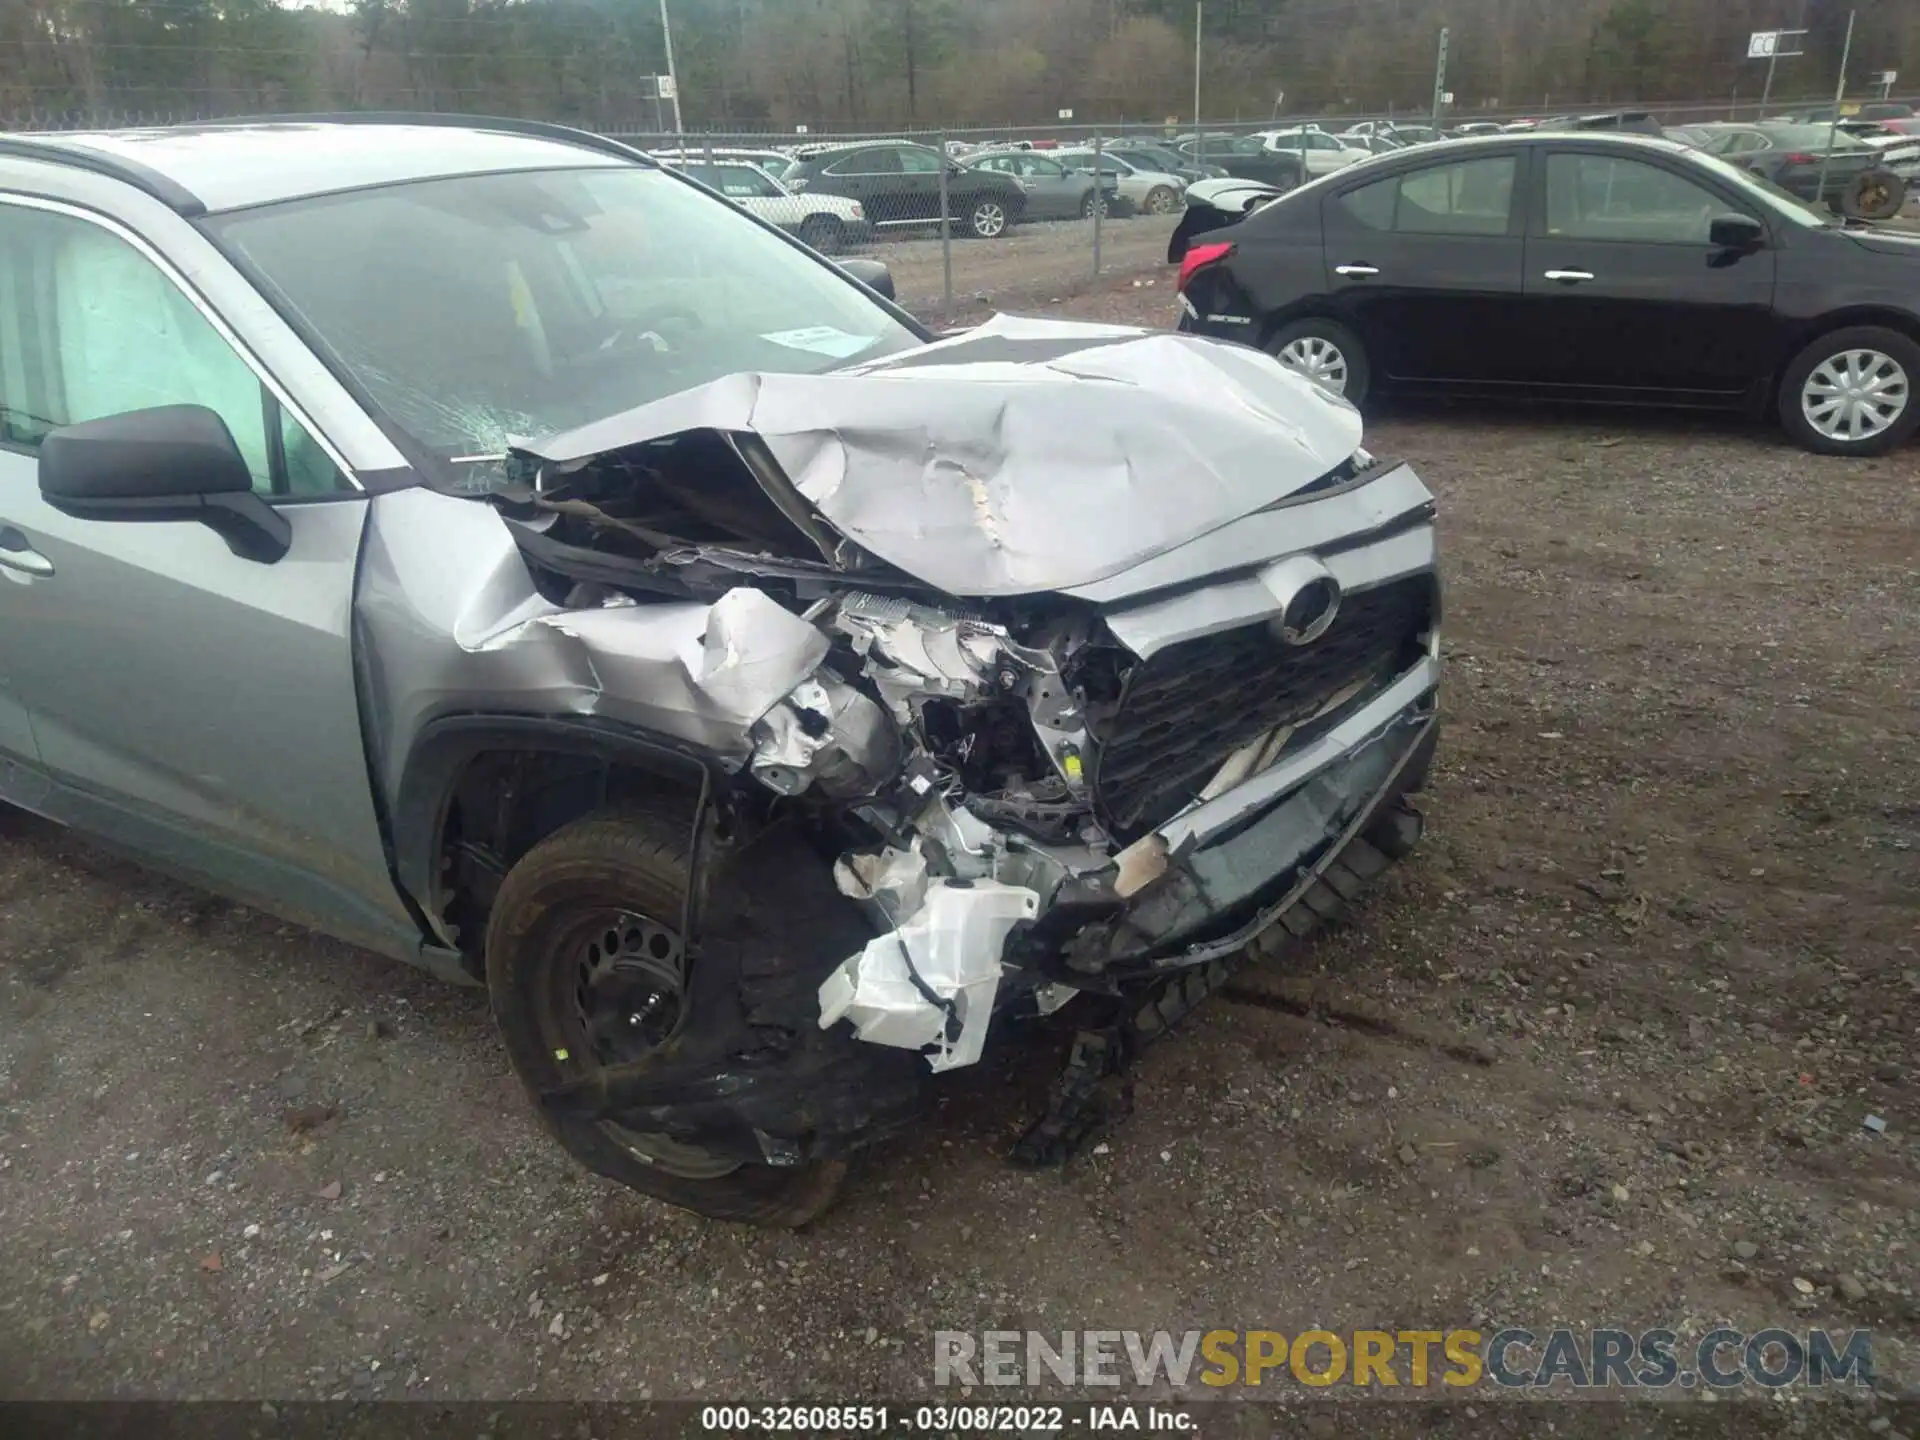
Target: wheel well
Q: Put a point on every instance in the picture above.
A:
(1895, 320)
(1307, 310)
(474, 804)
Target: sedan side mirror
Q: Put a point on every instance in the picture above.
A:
(873, 274)
(174, 462)
(1736, 232)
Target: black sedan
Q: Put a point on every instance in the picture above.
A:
(1586, 267)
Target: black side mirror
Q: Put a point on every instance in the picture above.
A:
(1736, 232)
(175, 462)
(873, 274)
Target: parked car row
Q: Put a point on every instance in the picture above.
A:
(836, 195)
(1583, 266)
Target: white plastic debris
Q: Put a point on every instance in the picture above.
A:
(1875, 1124)
(955, 940)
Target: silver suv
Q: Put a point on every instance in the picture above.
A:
(485, 545)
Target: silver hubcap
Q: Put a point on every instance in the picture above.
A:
(1855, 395)
(989, 219)
(1160, 202)
(1319, 360)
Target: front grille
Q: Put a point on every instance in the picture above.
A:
(1182, 713)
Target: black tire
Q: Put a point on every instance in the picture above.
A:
(1858, 339)
(822, 233)
(1873, 195)
(1358, 372)
(1092, 202)
(1161, 200)
(632, 861)
(987, 217)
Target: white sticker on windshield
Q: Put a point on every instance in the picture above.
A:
(821, 340)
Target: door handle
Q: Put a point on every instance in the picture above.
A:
(1356, 270)
(17, 555)
(1570, 277)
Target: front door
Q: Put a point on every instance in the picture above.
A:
(1624, 294)
(194, 706)
(1425, 265)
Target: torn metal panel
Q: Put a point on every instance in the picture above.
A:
(1024, 456)
(754, 652)
(448, 620)
(930, 983)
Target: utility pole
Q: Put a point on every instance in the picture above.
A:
(1199, 129)
(1440, 79)
(1839, 94)
(666, 36)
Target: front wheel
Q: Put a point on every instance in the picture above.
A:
(1851, 392)
(586, 969)
(1326, 353)
(987, 219)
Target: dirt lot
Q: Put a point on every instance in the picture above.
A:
(1600, 1052)
(1035, 265)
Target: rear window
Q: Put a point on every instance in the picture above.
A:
(1469, 197)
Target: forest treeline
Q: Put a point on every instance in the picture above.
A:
(772, 64)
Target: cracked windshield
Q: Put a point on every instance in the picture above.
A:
(487, 309)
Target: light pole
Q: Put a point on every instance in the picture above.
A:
(1198, 6)
(666, 34)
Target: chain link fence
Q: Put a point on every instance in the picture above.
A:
(1004, 218)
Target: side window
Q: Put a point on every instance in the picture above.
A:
(1372, 205)
(1604, 197)
(89, 327)
(999, 164)
(919, 162)
(1472, 197)
(868, 162)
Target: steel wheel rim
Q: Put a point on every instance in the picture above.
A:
(1855, 395)
(1318, 359)
(989, 219)
(620, 966)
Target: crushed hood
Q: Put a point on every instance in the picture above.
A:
(1022, 456)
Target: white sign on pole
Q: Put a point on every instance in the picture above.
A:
(799, 129)
(666, 87)
(1887, 77)
(1446, 98)
(1762, 44)
(1066, 114)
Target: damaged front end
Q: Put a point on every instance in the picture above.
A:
(1082, 655)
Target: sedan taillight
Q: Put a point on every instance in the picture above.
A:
(1198, 257)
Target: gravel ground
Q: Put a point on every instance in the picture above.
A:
(1600, 1052)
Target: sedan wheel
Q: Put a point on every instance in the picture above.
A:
(1855, 395)
(1162, 201)
(987, 219)
(1327, 353)
(1851, 392)
(1319, 359)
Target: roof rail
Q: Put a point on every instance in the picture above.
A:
(55, 150)
(539, 129)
